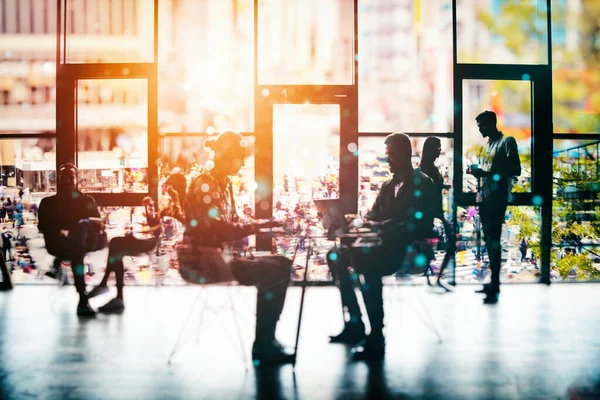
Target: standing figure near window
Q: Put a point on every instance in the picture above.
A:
(432, 148)
(500, 165)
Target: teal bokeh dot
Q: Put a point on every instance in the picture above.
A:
(525, 77)
(420, 260)
(496, 177)
(193, 223)
(418, 193)
(418, 215)
(213, 212)
(333, 256)
(202, 280)
(269, 296)
(537, 200)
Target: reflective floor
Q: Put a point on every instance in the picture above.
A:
(539, 342)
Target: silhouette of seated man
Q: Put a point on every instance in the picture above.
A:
(71, 225)
(403, 212)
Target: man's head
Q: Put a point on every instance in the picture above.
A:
(229, 152)
(398, 150)
(486, 122)
(432, 148)
(67, 178)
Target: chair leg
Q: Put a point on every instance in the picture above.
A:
(185, 324)
(430, 323)
(238, 330)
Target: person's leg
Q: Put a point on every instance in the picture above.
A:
(271, 276)
(338, 262)
(120, 247)
(374, 264)
(492, 220)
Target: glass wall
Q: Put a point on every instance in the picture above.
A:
(575, 66)
(502, 32)
(206, 66)
(576, 211)
(405, 66)
(511, 101)
(306, 153)
(520, 246)
(305, 42)
(112, 151)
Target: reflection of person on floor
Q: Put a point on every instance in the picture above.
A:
(500, 165)
(211, 220)
(127, 245)
(432, 148)
(64, 220)
(404, 209)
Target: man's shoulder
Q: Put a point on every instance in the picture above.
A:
(85, 198)
(423, 177)
(48, 200)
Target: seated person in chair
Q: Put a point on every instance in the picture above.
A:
(65, 221)
(403, 212)
(211, 221)
(127, 245)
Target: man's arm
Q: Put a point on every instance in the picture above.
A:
(513, 160)
(375, 213)
(91, 207)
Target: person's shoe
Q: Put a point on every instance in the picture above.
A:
(115, 305)
(370, 349)
(271, 353)
(84, 310)
(97, 291)
(491, 298)
(353, 333)
(52, 273)
(487, 289)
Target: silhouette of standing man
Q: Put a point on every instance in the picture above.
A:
(499, 165)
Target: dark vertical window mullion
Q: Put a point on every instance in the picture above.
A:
(31, 19)
(18, 19)
(84, 17)
(3, 22)
(45, 19)
(111, 22)
(122, 32)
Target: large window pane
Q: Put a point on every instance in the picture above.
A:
(108, 31)
(502, 32)
(405, 66)
(511, 101)
(576, 211)
(305, 42)
(29, 164)
(306, 153)
(520, 246)
(112, 152)
(206, 67)
(576, 66)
